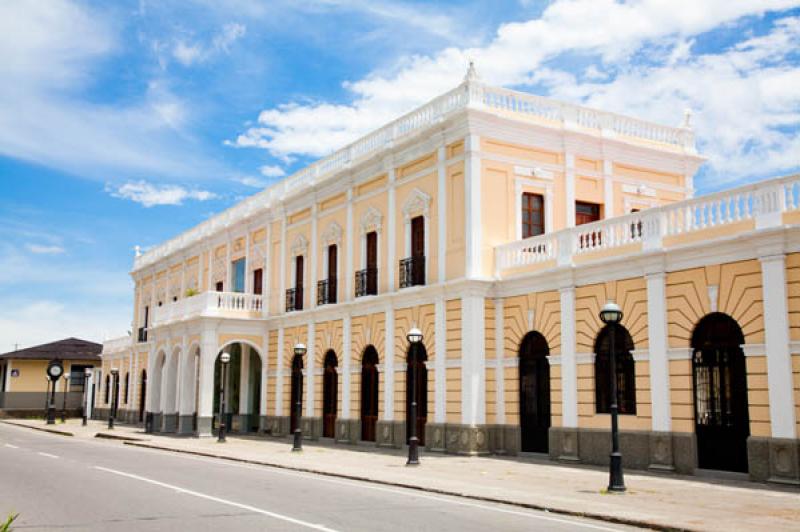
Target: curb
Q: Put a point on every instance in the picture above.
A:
(530, 506)
(107, 436)
(43, 429)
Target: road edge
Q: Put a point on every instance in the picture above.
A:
(42, 429)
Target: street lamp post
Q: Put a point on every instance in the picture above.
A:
(64, 402)
(113, 410)
(225, 358)
(297, 446)
(54, 371)
(414, 337)
(87, 373)
(611, 315)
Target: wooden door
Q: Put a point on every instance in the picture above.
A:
(332, 272)
(329, 396)
(586, 212)
(534, 393)
(532, 214)
(369, 394)
(298, 282)
(258, 281)
(372, 263)
(418, 250)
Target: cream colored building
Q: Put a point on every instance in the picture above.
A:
(424, 223)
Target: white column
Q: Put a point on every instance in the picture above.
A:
(244, 381)
(226, 283)
(248, 281)
(473, 361)
(608, 188)
(264, 375)
(391, 234)
(279, 374)
(208, 355)
(440, 370)
(776, 339)
(283, 270)
(309, 384)
(347, 354)
(500, 356)
(7, 386)
(349, 272)
(210, 275)
(179, 376)
(569, 181)
(441, 216)
(569, 379)
(659, 361)
(312, 290)
(388, 367)
(472, 208)
(266, 274)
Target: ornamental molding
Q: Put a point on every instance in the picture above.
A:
(300, 245)
(417, 202)
(371, 220)
(332, 235)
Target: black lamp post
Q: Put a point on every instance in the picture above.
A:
(225, 358)
(113, 410)
(87, 373)
(54, 371)
(64, 402)
(297, 446)
(611, 315)
(414, 337)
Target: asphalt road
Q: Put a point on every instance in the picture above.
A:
(58, 483)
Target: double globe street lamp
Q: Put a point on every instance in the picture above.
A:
(54, 371)
(87, 375)
(225, 358)
(114, 384)
(414, 337)
(299, 350)
(611, 315)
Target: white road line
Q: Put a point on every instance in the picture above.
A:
(360, 484)
(48, 455)
(11, 446)
(217, 499)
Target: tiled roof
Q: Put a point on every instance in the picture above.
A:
(67, 349)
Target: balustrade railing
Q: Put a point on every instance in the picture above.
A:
(763, 203)
(235, 304)
(294, 299)
(326, 291)
(115, 345)
(367, 282)
(412, 271)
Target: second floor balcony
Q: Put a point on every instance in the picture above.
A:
(210, 304)
(412, 271)
(326, 291)
(294, 299)
(367, 282)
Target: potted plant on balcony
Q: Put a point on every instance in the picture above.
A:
(191, 292)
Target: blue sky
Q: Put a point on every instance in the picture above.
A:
(125, 123)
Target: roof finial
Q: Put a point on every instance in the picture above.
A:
(687, 118)
(472, 74)
(137, 250)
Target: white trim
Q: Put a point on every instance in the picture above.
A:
(473, 360)
(658, 347)
(346, 375)
(679, 353)
(279, 376)
(441, 215)
(310, 357)
(569, 378)
(388, 362)
(608, 188)
(569, 187)
(755, 350)
(392, 234)
(472, 208)
(349, 272)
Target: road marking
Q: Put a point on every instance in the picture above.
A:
(48, 455)
(532, 513)
(11, 446)
(217, 499)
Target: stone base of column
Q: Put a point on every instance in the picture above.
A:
(242, 422)
(563, 444)
(348, 431)
(661, 452)
(157, 421)
(169, 423)
(312, 428)
(774, 459)
(186, 424)
(504, 439)
(204, 427)
(458, 439)
(275, 425)
(390, 434)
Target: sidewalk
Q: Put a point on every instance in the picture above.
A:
(664, 502)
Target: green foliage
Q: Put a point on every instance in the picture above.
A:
(6, 527)
(191, 292)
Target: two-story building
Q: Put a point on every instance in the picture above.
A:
(498, 223)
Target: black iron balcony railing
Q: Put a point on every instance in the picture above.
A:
(142, 336)
(294, 299)
(412, 271)
(326, 291)
(367, 282)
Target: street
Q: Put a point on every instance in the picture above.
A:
(57, 482)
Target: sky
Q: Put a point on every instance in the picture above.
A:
(125, 123)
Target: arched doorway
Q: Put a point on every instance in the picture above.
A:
(297, 390)
(142, 395)
(417, 384)
(534, 393)
(155, 386)
(330, 388)
(624, 373)
(369, 393)
(243, 386)
(719, 377)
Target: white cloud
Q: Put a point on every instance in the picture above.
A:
(40, 249)
(250, 181)
(150, 195)
(188, 54)
(272, 171)
(610, 33)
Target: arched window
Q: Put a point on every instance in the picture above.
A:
(108, 387)
(369, 393)
(625, 373)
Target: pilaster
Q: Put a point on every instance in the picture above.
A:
(473, 361)
(569, 379)
(388, 367)
(659, 360)
(472, 207)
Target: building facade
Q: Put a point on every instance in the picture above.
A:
(498, 223)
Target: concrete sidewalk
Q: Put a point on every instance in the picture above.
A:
(663, 502)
